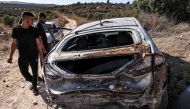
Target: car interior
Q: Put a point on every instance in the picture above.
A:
(101, 65)
(99, 40)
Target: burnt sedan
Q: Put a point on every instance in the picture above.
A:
(111, 63)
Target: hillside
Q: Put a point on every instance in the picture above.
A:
(16, 4)
(95, 11)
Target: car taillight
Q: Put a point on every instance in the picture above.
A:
(50, 73)
(150, 62)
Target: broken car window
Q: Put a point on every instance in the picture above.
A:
(99, 40)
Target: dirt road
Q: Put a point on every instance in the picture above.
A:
(14, 90)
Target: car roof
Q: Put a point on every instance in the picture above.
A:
(114, 22)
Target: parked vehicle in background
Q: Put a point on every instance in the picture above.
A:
(53, 32)
(108, 62)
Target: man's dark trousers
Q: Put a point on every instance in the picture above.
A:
(24, 63)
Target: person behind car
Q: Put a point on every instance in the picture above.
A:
(43, 37)
(26, 38)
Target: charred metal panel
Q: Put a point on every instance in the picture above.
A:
(123, 50)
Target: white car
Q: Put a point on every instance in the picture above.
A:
(53, 32)
(105, 63)
(54, 27)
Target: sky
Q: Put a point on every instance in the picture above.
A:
(65, 2)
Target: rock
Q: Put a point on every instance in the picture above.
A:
(4, 80)
(7, 86)
(35, 103)
(22, 86)
(22, 80)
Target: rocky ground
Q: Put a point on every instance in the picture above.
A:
(15, 93)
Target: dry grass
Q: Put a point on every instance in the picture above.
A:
(62, 21)
(79, 20)
(155, 22)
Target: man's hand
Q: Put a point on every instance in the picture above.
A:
(42, 62)
(13, 47)
(10, 60)
(40, 50)
(42, 45)
(44, 50)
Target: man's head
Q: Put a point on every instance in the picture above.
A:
(42, 18)
(27, 18)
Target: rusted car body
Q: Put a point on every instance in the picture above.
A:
(111, 62)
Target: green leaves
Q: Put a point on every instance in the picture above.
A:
(9, 21)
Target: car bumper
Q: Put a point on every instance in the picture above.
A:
(81, 100)
(97, 97)
(103, 99)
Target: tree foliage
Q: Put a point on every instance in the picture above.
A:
(144, 5)
(95, 11)
(175, 9)
(178, 9)
(9, 21)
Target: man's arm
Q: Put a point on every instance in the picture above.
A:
(39, 46)
(13, 48)
(42, 45)
(40, 31)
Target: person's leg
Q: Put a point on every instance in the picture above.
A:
(23, 66)
(34, 67)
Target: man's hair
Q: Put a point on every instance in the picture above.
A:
(26, 13)
(20, 21)
(41, 15)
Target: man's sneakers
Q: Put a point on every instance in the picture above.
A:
(40, 79)
(31, 87)
(35, 91)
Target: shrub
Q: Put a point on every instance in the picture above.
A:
(179, 10)
(9, 21)
(155, 22)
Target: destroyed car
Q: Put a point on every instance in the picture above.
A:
(105, 63)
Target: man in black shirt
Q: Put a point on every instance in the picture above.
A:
(43, 37)
(29, 46)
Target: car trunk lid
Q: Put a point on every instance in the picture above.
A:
(98, 61)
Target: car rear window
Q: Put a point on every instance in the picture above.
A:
(99, 40)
